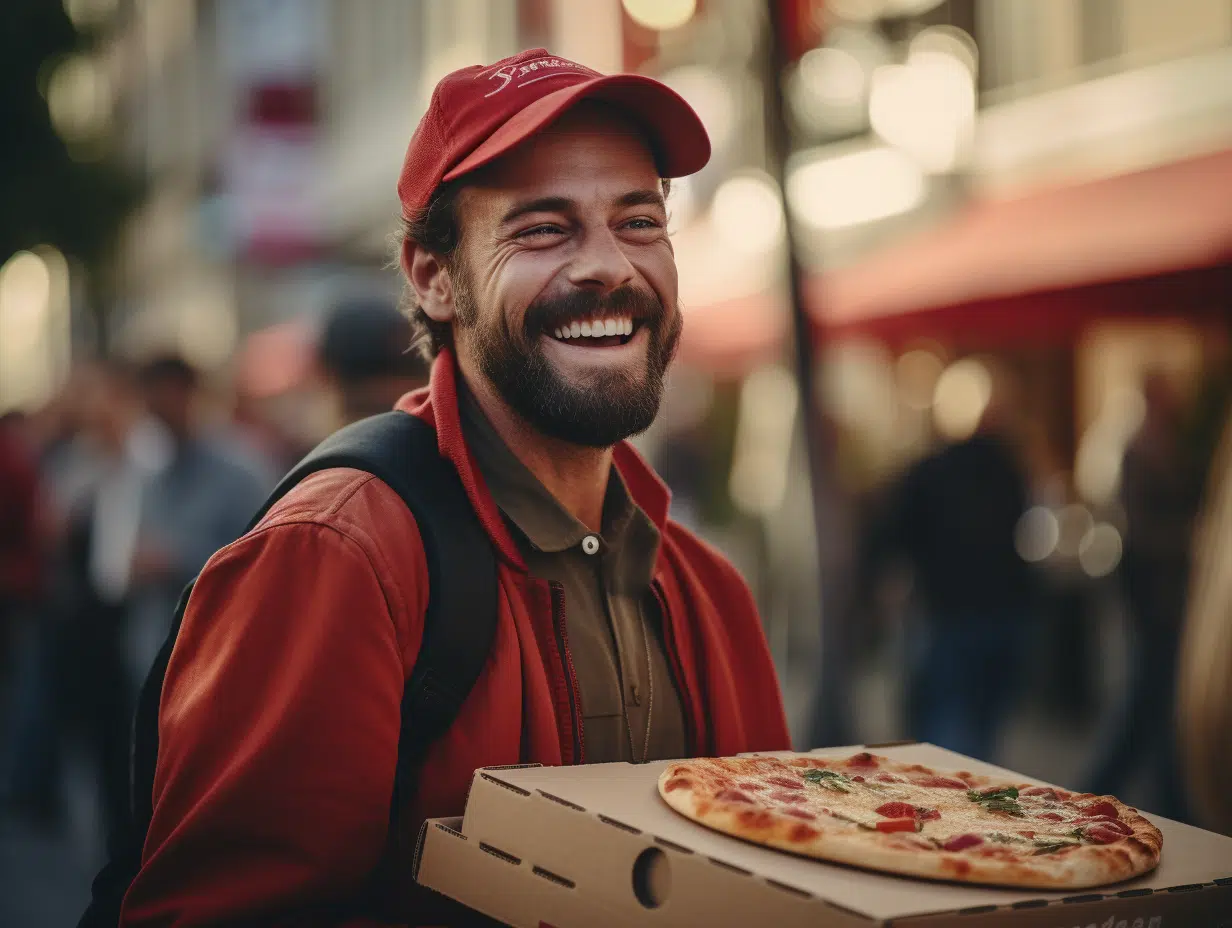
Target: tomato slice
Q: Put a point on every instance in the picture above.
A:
(897, 824)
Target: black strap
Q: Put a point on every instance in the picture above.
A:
(401, 451)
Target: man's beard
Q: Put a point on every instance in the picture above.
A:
(613, 404)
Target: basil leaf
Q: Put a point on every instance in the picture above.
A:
(830, 779)
(1053, 848)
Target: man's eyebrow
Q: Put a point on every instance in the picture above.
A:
(539, 205)
(642, 198)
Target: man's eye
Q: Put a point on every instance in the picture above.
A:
(641, 223)
(546, 228)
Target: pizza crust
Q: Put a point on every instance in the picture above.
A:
(745, 798)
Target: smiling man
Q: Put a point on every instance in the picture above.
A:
(541, 278)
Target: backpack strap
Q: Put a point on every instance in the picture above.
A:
(401, 451)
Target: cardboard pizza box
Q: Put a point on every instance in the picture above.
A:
(595, 846)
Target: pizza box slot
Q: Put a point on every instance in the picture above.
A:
(978, 910)
(564, 802)
(554, 877)
(558, 819)
(497, 852)
(1079, 900)
(506, 785)
(616, 823)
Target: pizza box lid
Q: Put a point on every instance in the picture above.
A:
(596, 845)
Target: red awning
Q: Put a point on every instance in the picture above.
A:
(1155, 242)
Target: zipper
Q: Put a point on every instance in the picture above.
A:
(562, 646)
(673, 660)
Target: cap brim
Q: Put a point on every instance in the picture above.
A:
(677, 136)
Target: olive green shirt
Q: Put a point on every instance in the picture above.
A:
(611, 614)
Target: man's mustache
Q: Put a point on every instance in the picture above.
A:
(548, 314)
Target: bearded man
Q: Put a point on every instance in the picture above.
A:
(541, 277)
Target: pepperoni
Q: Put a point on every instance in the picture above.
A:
(1027, 834)
(896, 824)
(863, 759)
(857, 779)
(941, 782)
(1044, 792)
(1100, 809)
(785, 782)
(676, 783)
(962, 842)
(1050, 817)
(785, 796)
(732, 795)
(897, 810)
(801, 813)
(887, 778)
(756, 818)
(750, 785)
(1110, 824)
(1101, 834)
(802, 832)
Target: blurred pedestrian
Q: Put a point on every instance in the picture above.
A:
(543, 281)
(366, 354)
(200, 493)
(954, 516)
(1205, 669)
(1160, 491)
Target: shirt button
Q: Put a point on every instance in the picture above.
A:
(590, 544)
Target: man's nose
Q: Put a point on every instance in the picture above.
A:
(600, 263)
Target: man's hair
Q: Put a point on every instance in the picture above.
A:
(435, 229)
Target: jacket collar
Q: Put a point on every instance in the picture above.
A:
(437, 404)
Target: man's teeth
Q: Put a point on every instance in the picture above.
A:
(597, 328)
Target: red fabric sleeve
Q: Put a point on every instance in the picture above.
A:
(279, 730)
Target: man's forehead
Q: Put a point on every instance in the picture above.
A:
(593, 146)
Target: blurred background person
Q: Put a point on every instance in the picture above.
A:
(954, 516)
(1160, 491)
(203, 487)
(1205, 669)
(366, 355)
(22, 544)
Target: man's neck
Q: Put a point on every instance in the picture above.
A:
(577, 476)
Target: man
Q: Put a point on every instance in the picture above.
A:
(202, 489)
(955, 515)
(365, 354)
(535, 214)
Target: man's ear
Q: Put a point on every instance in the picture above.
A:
(429, 277)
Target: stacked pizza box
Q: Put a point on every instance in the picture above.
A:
(599, 846)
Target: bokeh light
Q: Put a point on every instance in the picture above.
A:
(925, 107)
(79, 99)
(709, 93)
(1037, 534)
(853, 189)
(963, 392)
(748, 213)
(1099, 553)
(660, 14)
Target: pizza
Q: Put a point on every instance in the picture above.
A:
(875, 812)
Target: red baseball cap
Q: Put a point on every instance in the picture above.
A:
(479, 113)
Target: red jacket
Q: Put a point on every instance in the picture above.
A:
(280, 712)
